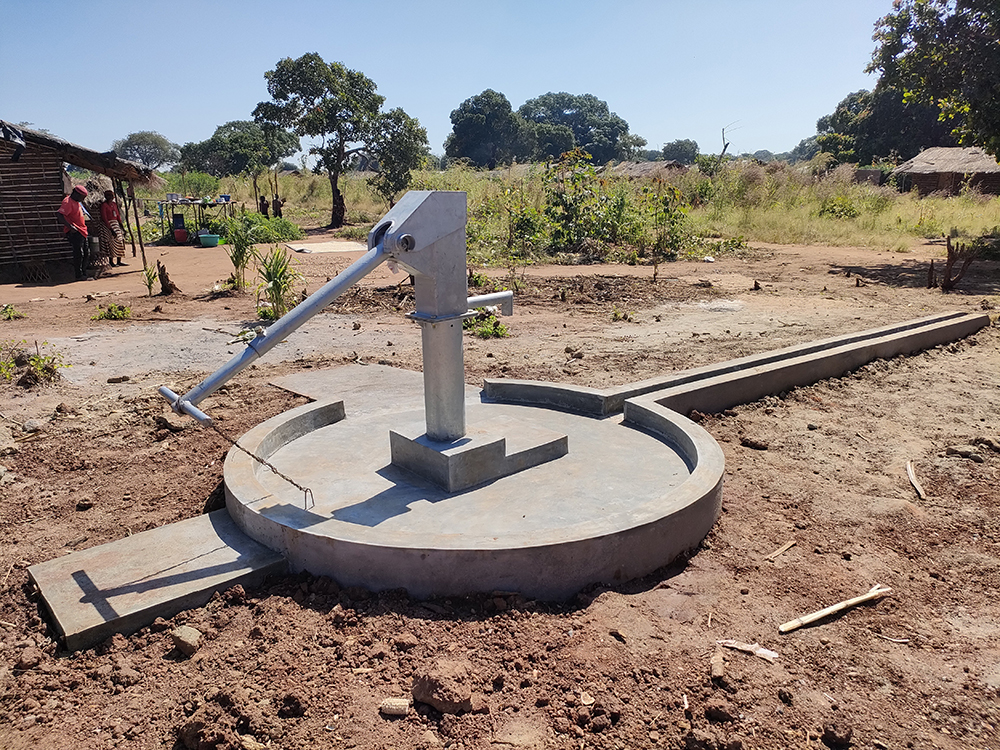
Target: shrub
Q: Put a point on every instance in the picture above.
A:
(839, 207)
(8, 312)
(113, 311)
(486, 325)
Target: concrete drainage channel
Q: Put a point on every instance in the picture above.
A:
(549, 488)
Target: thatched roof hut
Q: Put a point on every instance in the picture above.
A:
(946, 170)
(646, 170)
(33, 182)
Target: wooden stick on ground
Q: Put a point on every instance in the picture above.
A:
(781, 550)
(876, 592)
(913, 480)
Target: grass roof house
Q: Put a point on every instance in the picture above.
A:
(947, 170)
(33, 182)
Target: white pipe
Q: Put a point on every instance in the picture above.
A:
(504, 299)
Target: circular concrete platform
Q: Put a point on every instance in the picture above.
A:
(623, 502)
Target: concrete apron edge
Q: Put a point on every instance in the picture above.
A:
(548, 570)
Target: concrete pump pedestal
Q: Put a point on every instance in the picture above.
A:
(626, 499)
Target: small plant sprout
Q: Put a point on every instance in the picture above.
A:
(149, 278)
(274, 292)
(621, 316)
(8, 312)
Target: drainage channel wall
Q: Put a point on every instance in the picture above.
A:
(716, 387)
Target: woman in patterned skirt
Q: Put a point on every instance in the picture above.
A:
(112, 237)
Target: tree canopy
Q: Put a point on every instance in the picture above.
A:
(398, 147)
(147, 147)
(869, 125)
(683, 151)
(487, 132)
(945, 53)
(596, 129)
(338, 106)
(239, 147)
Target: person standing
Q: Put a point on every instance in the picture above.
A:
(74, 218)
(276, 204)
(112, 236)
(263, 205)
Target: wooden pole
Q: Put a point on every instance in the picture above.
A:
(138, 226)
(120, 190)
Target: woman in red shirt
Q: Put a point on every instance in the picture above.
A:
(112, 237)
(74, 220)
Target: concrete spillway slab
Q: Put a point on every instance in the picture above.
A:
(623, 502)
(124, 585)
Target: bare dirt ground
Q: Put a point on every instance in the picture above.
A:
(304, 663)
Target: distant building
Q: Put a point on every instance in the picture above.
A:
(946, 170)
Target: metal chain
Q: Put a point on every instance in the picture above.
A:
(308, 501)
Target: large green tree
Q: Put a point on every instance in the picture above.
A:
(147, 147)
(684, 151)
(334, 104)
(946, 53)
(239, 147)
(596, 129)
(868, 125)
(487, 132)
(399, 147)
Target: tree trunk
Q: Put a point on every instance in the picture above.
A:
(166, 285)
(339, 209)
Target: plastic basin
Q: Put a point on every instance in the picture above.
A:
(209, 240)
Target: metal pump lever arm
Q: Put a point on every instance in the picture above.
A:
(270, 337)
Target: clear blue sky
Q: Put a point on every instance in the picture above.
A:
(94, 71)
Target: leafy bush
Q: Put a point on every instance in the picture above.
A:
(486, 325)
(839, 207)
(113, 311)
(262, 228)
(34, 368)
(8, 312)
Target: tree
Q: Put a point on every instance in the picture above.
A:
(945, 53)
(552, 141)
(147, 147)
(596, 130)
(806, 149)
(869, 125)
(487, 132)
(399, 147)
(683, 151)
(239, 147)
(333, 103)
